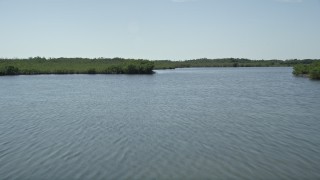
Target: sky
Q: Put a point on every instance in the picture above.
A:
(160, 29)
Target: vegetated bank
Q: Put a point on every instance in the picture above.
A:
(310, 70)
(228, 62)
(38, 65)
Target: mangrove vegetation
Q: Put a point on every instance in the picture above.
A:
(41, 65)
(228, 62)
(38, 65)
(309, 70)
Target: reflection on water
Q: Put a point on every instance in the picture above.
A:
(217, 123)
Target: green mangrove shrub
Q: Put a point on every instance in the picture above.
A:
(92, 71)
(311, 70)
(9, 70)
(315, 73)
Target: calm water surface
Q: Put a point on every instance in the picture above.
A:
(198, 123)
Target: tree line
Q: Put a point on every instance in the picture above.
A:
(41, 65)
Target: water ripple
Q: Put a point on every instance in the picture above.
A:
(182, 124)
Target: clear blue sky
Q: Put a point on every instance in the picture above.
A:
(160, 29)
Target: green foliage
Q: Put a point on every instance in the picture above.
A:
(315, 73)
(92, 71)
(311, 70)
(142, 67)
(38, 65)
(41, 65)
(301, 69)
(9, 70)
(228, 62)
(114, 69)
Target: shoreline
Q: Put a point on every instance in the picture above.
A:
(39, 65)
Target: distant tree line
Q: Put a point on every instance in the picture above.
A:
(41, 65)
(228, 62)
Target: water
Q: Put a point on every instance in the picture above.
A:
(198, 123)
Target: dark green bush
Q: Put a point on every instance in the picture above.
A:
(315, 73)
(311, 70)
(114, 69)
(131, 69)
(92, 71)
(301, 69)
(9, 70)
